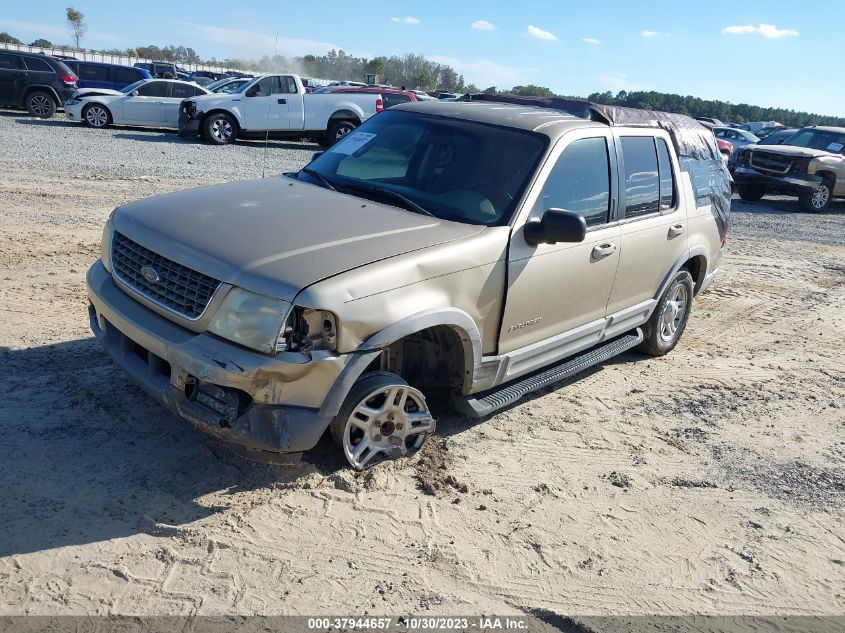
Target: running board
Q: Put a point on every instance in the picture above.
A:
(483, 404)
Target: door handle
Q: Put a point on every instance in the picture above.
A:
(282, 101)
(675, 230)
(603, 250)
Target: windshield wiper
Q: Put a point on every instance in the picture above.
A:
(317, 175)
(393, 195)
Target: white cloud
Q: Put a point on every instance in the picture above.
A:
(484, 72)
(615, 83)
(252, 44)
(649, 33)
(483, 25)
(769, 31)
(539, 34)
(591, 40)
(406, 20)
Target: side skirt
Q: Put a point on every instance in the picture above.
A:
(483, 404)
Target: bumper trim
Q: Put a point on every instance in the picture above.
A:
(745, 175)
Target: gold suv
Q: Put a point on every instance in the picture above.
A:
(466, 252)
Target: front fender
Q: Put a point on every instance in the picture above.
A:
(369, 350)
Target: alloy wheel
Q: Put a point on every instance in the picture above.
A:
(820, 197)
(389, 423)
(96, 116)
(673, 313)
(40, 104)
(221, 129)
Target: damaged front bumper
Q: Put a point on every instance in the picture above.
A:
(256, 402)
(189, 123)
(786, 183)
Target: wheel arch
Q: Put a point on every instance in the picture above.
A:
(234, 115)
(105, 106)
(828, 175)
(40, 88)
(457, 321)
(696, 260)
(344, 115)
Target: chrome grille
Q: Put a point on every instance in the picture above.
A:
(768, 161)
(178, 288)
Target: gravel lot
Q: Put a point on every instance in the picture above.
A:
(709, 481)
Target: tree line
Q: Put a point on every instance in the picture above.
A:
(416, 72)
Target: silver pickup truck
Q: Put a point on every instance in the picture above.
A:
(463, 252)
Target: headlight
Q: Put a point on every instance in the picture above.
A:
(105, 243)
(252, 320)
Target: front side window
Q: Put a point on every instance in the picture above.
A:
(153, 89)
(642, 187)
(268, 86)
(450, 168)
(580, 181)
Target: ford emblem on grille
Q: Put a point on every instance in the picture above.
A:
(150, 274)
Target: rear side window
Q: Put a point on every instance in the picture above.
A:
(394, 99)
(580, 181)
(39, 65)
(181, 91)
(125, 76)
(153, 89)
(89, 72)
(667, 178)
(642, 188)
(9, 61)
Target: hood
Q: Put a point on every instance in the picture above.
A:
(97, 92)
(278, 235)
(791, 150)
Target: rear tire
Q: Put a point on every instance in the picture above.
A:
(818, 200)
(219, 129)
(664, 328)
(751, 193)
(41, 104)
(338, 130)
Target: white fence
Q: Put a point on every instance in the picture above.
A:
(105, 58)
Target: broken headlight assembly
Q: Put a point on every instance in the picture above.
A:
(271, 325)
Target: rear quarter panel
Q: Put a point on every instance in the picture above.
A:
(320, 107)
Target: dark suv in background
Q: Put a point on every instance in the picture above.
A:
(111, 76)
(36, 82)
(160, 70)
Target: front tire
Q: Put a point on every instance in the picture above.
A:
(818, 200)
(96, 116)
(382, 418)
(338, 130)
(41, 104)
(219, 129)
(751, 193)
(667, 323)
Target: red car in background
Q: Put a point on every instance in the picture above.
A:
(725, 147)
(391, 96)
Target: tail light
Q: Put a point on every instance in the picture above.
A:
(69, 79)
(379, 105)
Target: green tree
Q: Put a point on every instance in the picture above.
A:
(532, 91)
(5, 38)
(76, 25)
(42, 43)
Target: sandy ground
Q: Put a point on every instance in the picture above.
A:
(708, 481)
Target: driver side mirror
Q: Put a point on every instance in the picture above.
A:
(134, 93)
(556, 225)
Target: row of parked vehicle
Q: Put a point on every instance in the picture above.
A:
(808, 162)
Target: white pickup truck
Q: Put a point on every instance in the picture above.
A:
(278, 106)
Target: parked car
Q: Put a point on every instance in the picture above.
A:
(39, 83)
(208, 74)
(422, 95)
(768, 131)
(709, 121)
(153, 102)
(277, 105)
(737, 138)
(227, 85)
(111, 76)
(776, 138)
(470, 253)
(810, 164)
(160, 70)
(392, 96)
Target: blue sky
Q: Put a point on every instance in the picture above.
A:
(763, 52)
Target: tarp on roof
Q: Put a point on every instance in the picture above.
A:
(694, 144)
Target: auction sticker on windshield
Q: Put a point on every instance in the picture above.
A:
(835, 147)
(353, 142)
